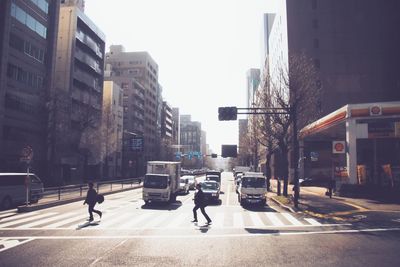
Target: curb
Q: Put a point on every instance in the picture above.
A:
(35, 207)
(283, 205)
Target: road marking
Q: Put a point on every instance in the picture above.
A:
(52, 237)
(27, 219)
(136, 220)
(67, 221)
(7, 214)
(156, 220)
(113, 219)
(46, 220)
(238, 219)
(228, 193)
(178, 220)
(292, 219)
(312, 222)
(19, 216)
(218, 220)
(257, 222)
(12, 242)
(274, 219)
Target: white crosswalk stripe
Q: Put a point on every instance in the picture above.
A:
(153, 219)
(3, 225)
(178, 220)
(136, 220)
(67, 222)
(257, 222)
(312, 222)
(112, 219)
(272, 216)
(19, 216)
(238, 220)
(292, 219)
(46, 220)
(218, 220)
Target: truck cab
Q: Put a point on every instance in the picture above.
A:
(252, 189)
(161, 182)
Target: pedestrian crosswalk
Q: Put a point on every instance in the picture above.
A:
(155, 219)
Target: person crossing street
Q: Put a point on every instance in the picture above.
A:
(91, 199)
(200, 203)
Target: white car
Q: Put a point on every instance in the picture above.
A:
(184, 185)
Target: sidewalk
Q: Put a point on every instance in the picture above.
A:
(314, 201)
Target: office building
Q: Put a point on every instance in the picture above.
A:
(27, 51)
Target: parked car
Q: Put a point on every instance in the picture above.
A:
(13, 189)
(312, 181)
(211, 190)
(184, 185)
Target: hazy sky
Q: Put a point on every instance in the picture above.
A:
(203, 49)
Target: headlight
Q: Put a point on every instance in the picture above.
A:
(164, 195)
(146, 194)
(244, 195)
(214, 194)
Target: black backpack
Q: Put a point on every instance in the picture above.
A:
(100, 199)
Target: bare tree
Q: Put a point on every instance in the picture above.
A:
(296, 88)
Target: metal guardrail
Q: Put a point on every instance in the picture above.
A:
(57, 193)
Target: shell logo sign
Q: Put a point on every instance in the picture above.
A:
(375, 111)
(339, 147)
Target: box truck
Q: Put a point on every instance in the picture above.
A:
(161, 182)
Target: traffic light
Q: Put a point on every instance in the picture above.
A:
(229, 151)
(227, 113)
(213, 155)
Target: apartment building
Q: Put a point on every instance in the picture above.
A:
(141, 67)
(77, 96)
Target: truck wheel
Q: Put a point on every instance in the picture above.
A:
(242, 203)
(172, 198)
(263, 203)
(6, 203)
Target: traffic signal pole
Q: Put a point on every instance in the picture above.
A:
(230, 113)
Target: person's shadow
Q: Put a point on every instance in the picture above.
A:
(87, 224)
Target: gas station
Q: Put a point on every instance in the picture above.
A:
(356, 144)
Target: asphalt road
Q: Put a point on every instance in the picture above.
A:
(131, 234)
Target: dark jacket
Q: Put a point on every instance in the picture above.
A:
(91, 197)
(199, 198)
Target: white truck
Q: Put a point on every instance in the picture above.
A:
(161, 182)
(252, 189)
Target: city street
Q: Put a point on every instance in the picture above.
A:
(131, 233)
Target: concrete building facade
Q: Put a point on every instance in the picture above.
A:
(27, 51)
(141, 67)
(354, 48)
(77, 97)
(111, 129)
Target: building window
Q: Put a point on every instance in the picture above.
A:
(26, 19)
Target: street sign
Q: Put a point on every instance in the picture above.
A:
(136, 143)
(26, 154)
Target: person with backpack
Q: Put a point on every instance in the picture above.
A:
(91, 199)
(200, 203)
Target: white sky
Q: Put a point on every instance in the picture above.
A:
(203, 49)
